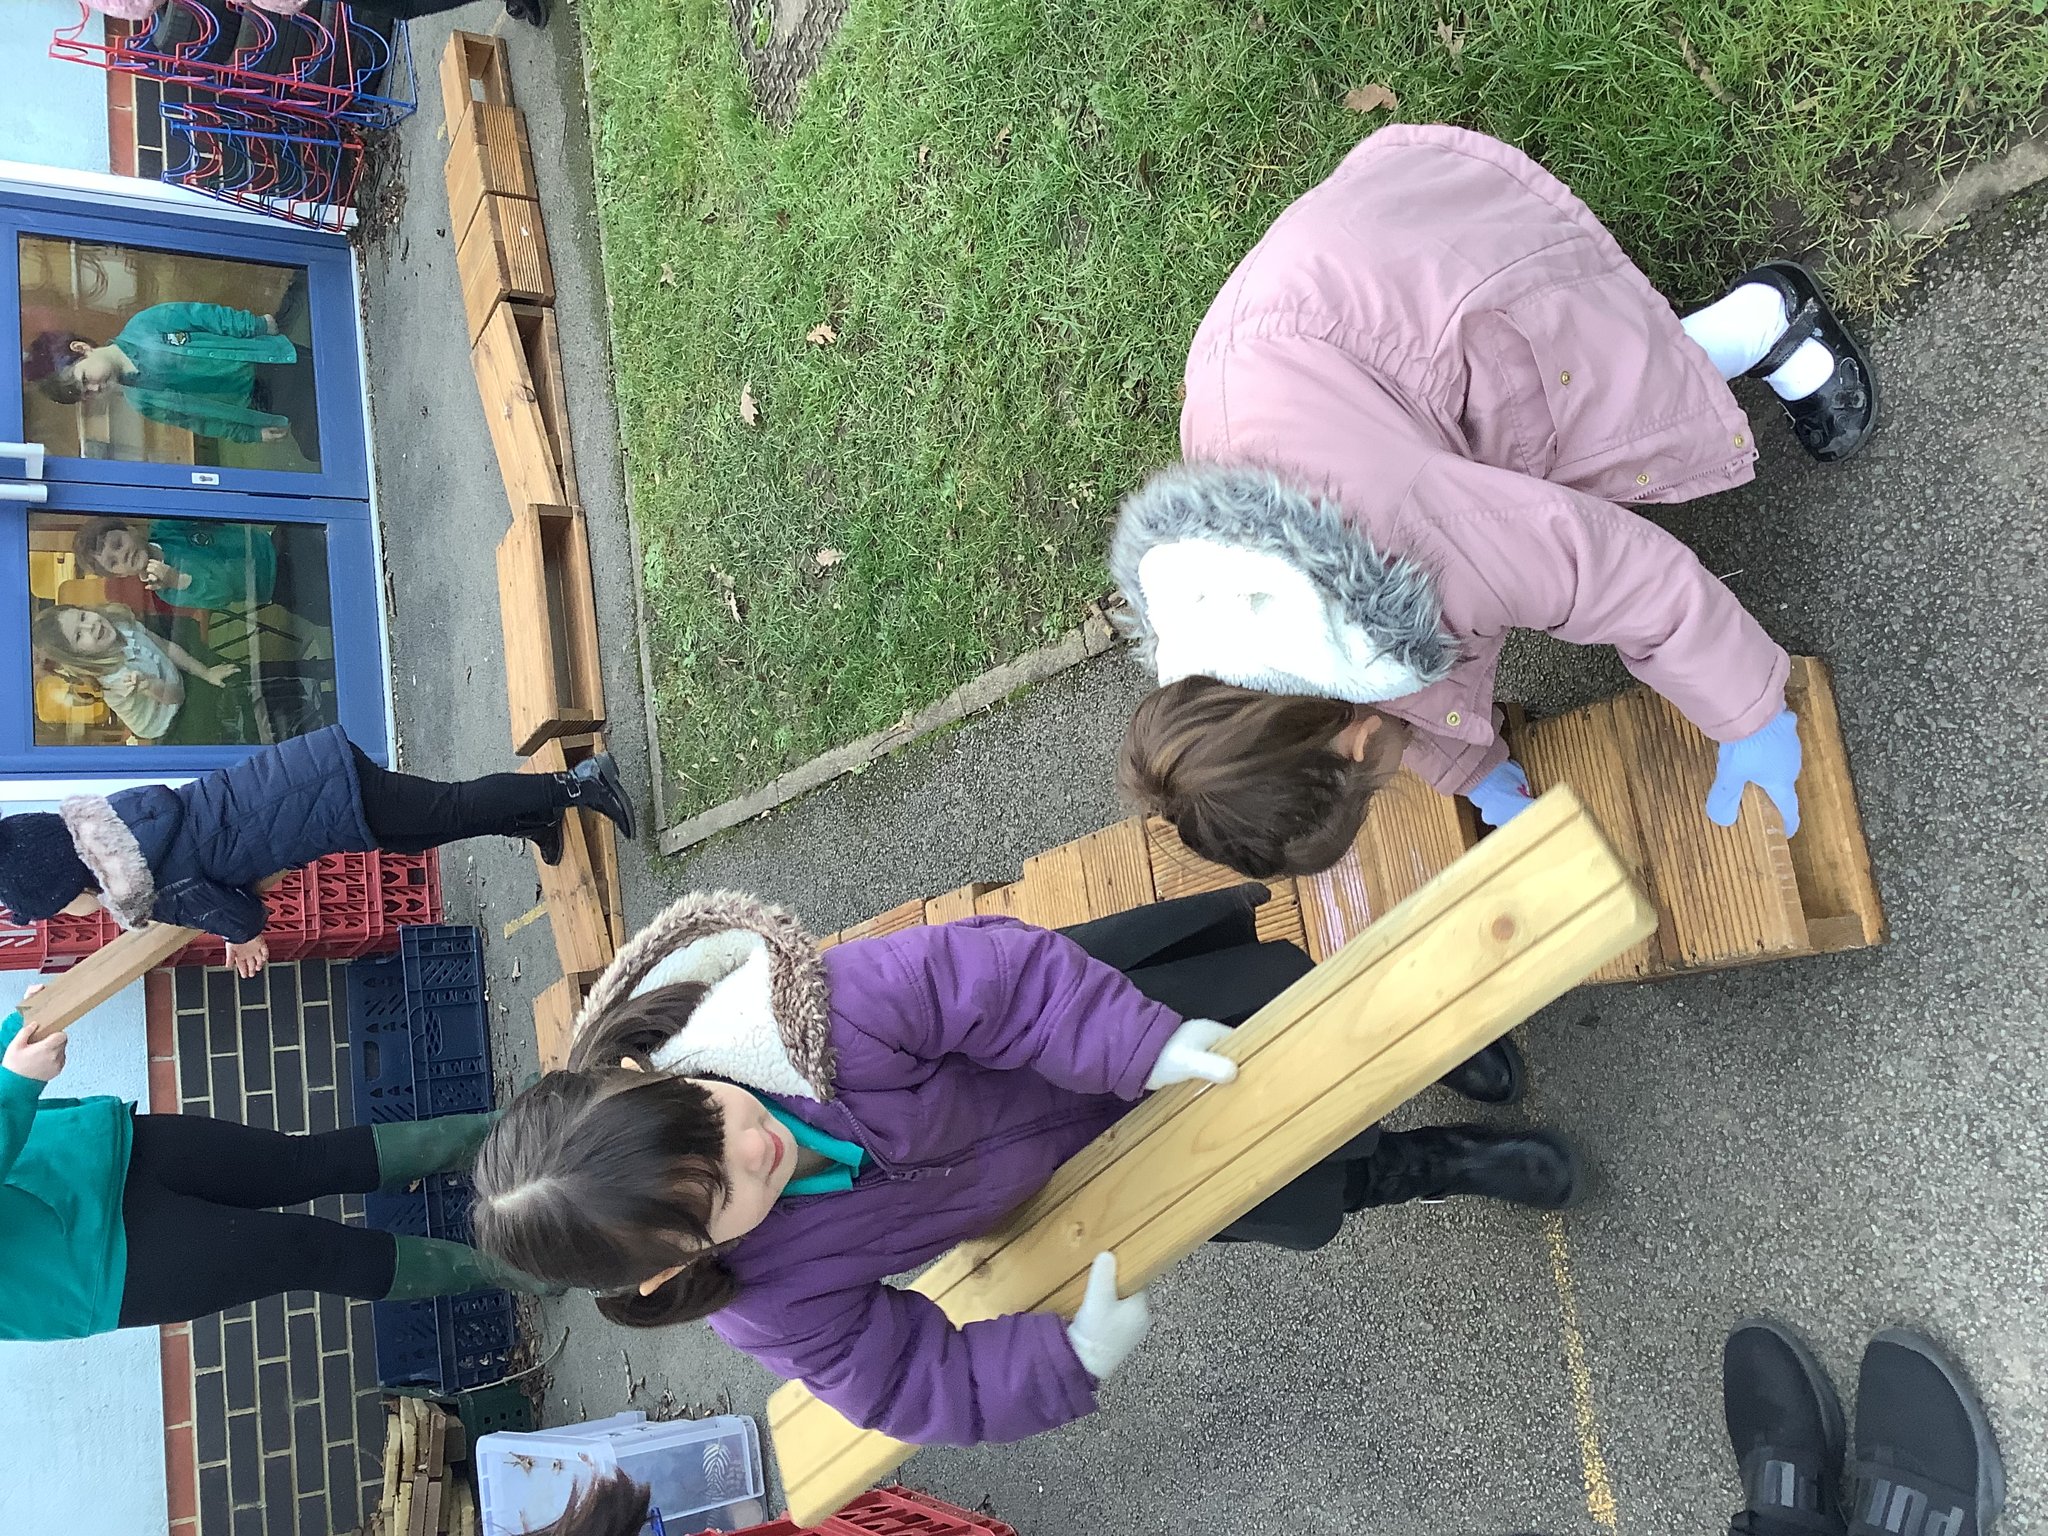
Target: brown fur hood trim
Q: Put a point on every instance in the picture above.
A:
(107, 848)
(765, 1021)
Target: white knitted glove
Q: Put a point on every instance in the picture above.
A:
(1187, 1056)
(1107, 1329)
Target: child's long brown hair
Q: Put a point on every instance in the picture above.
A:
(1254, 780)
(601, 1177)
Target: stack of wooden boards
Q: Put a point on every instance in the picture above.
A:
(1723, 896)
(425, 1494)
(553, 681)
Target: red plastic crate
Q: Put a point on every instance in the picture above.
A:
(408, 892)
(348, 904)
(23, 946)
(892, 1511)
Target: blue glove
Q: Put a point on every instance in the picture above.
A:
(1502, 795)
(1769, 759)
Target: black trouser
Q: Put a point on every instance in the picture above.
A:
(408, 814)
(1202, 957)
(202, 1236)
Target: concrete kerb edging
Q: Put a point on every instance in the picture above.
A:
(1095, 636)
(1972, 191)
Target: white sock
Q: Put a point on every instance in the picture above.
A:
(1736, 331)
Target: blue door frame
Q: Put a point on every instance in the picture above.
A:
(334, 498)
(344, 465)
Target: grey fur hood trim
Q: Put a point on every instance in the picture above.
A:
(1388, 598)
(766, 1020)
(107, 848)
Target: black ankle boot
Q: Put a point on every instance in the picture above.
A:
(594, 785)
(1539, 1168)
(1494, 1076)
(546, 838)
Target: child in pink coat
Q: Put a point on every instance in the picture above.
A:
(1414, 414)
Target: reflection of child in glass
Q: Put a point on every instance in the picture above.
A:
(141, 676)
(188, 562)
(185, 365)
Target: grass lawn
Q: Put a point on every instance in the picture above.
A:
(1011, 213)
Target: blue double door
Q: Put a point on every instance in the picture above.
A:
(187, 556)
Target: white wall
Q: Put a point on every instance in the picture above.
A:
(83, 1422)
(52, 112)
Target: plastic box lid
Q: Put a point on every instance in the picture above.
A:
(700, 1473)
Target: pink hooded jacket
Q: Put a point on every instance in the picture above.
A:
(1434, 378)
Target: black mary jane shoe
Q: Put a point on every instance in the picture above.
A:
(1839, 417)
(533, 12)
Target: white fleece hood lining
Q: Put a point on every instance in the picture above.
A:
(733, 1033)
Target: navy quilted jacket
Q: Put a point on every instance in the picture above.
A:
(208, 842)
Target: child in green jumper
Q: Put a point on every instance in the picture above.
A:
(113, 1219)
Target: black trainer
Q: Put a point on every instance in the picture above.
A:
(1927, 1463)
(1539, 1168)
(1785, 1424)
(1494, 1076)
(1839, 417)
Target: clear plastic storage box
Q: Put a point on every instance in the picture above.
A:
(701, 1474)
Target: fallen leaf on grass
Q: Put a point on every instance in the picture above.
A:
(1002, 145)
(1370, 98)
(1453, 40)
(750, 413)
(827, 558)
(924, 156)
(1698, 66)
(821, 334)
(668, 275)
(726, 590)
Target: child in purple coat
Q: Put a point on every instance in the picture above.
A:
(803, 1125)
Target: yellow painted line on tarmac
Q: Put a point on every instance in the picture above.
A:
(1586, 1418)
(523, 919)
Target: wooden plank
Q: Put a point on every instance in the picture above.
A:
(1514, 924)
(1279, 919)
(1055, 888)
(955, 904)
(474, 68)
(600, 834)
(1178, 871)
(1116, 868)
(528, 460)
(1583, 749)
(503, 255)
(1335, 906)
(998, 901)
(1411, 835)
(71, 994)
(574, 894)
(1728, 893)
(1830, 856)
(554, 1022)
(540, 341)
(487, 152)
(908, 914)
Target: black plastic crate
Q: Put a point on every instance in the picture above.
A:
(452, 1343)
(419, 1028)
(439, 1207)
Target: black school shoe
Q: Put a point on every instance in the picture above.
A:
(1927, 1463)
(1839, 417)
(1494, 1076)
(533, 12)
(1536, 1168)
(1785, 1424)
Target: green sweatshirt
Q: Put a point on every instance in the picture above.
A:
(193, 368)
(63, 1249)
(221, 558)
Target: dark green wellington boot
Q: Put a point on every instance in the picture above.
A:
(408, 1150)
(428, 1266)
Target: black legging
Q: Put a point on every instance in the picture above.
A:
(201, 1235)
(410, 815)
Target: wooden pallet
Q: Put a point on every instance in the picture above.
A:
(474, 68)
(553, 680)
(425, 1493)
(1723, 896)
(517, 360)
(488, 153)
(503, 255)
(582, 890)
(554, 1018)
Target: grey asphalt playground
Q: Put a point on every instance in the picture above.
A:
(1846, 1144)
